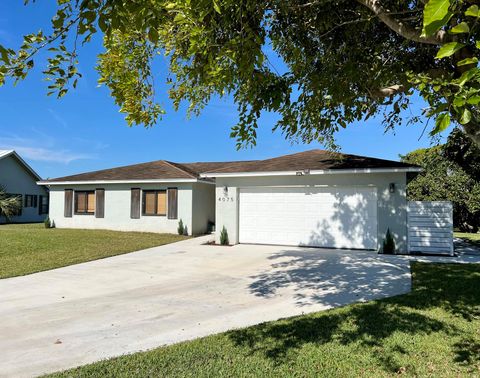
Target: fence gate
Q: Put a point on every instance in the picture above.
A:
(430, 227)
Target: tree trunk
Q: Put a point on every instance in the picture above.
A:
(472, 129)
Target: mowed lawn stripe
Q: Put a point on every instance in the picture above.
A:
(30, 248)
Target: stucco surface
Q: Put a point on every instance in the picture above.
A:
(117, 209)
(391, 207)
(17, 180)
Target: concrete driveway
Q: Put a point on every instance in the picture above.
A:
(83, 313)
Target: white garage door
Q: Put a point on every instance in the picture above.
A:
(336, 217)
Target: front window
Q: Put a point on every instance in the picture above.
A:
(43, 204)
(85, 202)
(154, 202)
(30, 200)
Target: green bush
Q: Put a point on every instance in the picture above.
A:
(224, 236)
(388, 243)
(47, 222)
(181, 227)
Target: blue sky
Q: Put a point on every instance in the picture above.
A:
(84, 130)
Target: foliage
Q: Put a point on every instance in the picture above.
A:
(388, 243)
(181, 228)
(443, 179)
(333, 68)
(47, 223)
(430, 332)
(9, 205)
(49, 249)
(224, 236)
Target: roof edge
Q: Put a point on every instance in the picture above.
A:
(146, 181)
(312, 172)
(23, 162)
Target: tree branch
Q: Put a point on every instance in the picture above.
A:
(399, 27)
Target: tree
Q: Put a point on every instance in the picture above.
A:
(444, 179)
(9, 205)
(345, 60)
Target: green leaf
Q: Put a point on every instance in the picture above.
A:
(473, 11)
(462, 27)
(441, 123)
(216, 7)
(448, 49)
(467, 76)
(474, 100)
(435, 15)
(466, 117)
(466, 61)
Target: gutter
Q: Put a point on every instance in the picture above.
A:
(307, 172)
(148, 181)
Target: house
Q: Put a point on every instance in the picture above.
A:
(19, 179)
(313, 198)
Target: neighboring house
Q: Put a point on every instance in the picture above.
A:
(19, 179)
(311, 198)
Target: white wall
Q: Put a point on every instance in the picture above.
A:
(203, 207)
(18, 180)
(391, 212)
(117, 209)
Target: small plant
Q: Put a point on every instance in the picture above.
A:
(388, 243)
(181, 227)
(52, 225)
(224, 236)
(185, 231)
(47, 222)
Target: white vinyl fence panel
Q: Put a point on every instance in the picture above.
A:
(430, 227)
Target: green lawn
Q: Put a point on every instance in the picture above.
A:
(470, 237)
(29, 248)
(432, 331)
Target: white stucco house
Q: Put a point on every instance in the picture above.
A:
(19, 179)
(312, 198)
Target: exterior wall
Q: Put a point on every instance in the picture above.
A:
(203, 207)
(18, 180)
(391, 211)
(117, 209)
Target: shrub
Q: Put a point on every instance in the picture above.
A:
(181, 227)
(52, 225)
(185, 230)
(224, 236)
(47, 222)
(388, 243)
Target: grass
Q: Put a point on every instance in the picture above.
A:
(30, 248)
(469, 237)
(432, 331)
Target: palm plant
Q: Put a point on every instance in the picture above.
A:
(9, 205)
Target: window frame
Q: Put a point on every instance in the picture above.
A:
(156, 192)
(29, 200)
(43, 208)
(75, 205)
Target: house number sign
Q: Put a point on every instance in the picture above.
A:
(225, 199)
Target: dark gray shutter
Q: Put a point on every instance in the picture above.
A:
(35, 201)
(99, 203)
(68, 207)
(135, 204)
(172, 203)
(40, 201)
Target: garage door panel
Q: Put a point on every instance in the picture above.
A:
(322, 217)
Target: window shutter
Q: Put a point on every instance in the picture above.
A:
(99, 203)
(172, 203)
(68, 203)
(35, 201)
(40, 201)
(135, 203)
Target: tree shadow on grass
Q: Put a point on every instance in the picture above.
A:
(450, 290)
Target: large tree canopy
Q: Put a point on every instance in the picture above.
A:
(451, 172)
(346, 59)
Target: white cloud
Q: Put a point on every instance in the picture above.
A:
(27, 148)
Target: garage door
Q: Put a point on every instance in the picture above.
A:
(334, 217)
